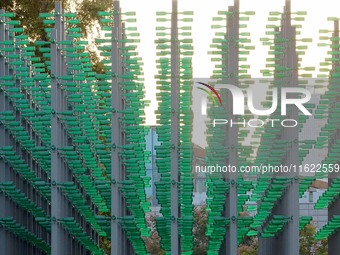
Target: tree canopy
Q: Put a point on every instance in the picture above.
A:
(27, 11)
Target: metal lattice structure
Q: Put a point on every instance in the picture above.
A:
(57, 139)
(72, 149)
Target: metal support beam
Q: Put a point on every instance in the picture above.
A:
(289, 206)
(175, 212)
(60, 242)
(334, 208)
(231, 63)
(287, 242)
(118, 209)
(6, 208)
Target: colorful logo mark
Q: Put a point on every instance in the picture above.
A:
(211, 92)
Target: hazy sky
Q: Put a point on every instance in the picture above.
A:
(316, 19)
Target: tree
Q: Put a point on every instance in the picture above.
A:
(307, 241)
(88, 12)
(322, 248)
(199, 230)
(251, 248)
(308, 245)
(153, 244)
(27, 11)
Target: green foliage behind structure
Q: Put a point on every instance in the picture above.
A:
(27, 12)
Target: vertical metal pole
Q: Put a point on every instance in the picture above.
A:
(175, 214)
(231, 64)
(6, 240)
(18, 213)
(287, 242)
(61, 244)
(56, 199)
(334, 208)
(292, 203)
(118, 239)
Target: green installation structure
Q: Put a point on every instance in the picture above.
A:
(72, 140)
(329, 136)
(63, 165)
(273, 199)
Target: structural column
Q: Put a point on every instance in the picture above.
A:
(118, 238)
(60, 208)
(287, 242)
(6, 208)
(232, 65)
(175, 212)
(334, 208)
